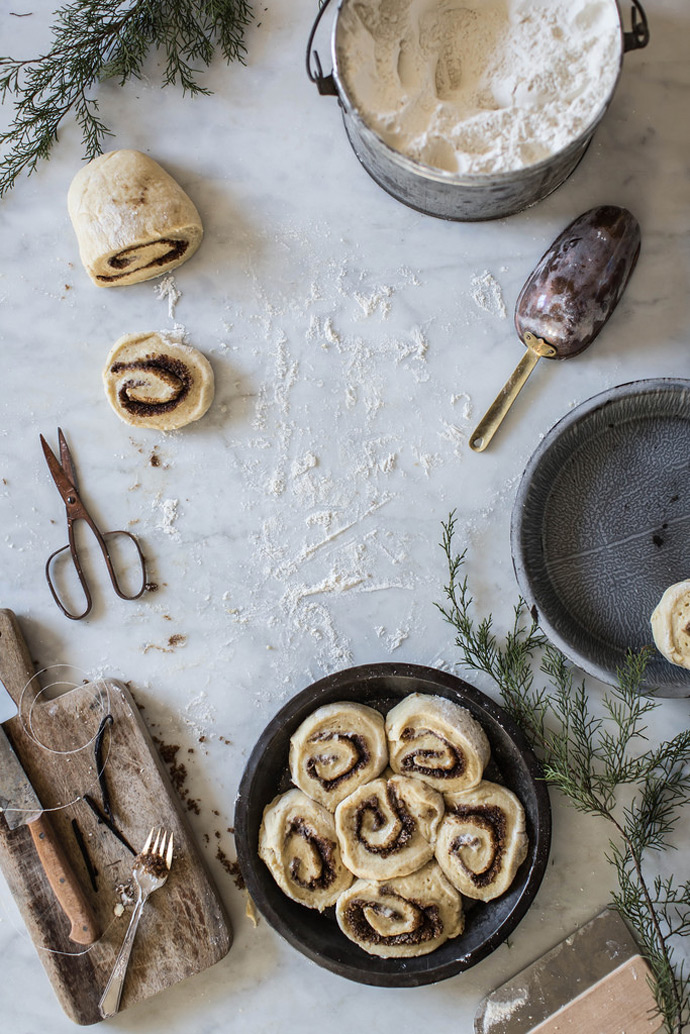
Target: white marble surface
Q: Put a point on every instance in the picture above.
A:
(351, 361)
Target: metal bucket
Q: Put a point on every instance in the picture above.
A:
(465, 197)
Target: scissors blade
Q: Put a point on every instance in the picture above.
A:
(66, 459)
(64, 486)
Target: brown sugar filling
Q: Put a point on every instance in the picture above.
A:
(172, 372)
(399, 837)
(324, 849)
(457, 761)
(362, 757)
(493, 820)
(426, 922)
(126, 258)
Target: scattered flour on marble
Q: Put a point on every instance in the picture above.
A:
(199, 715)
(466, 401)
(168, 514)
(168, 289)
(393, 640)
(487, 294)
(329, 479)
(498, 1012)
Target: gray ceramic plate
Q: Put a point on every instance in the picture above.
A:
(319, 936)
(601, 526)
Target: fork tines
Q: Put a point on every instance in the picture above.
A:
(156, 845)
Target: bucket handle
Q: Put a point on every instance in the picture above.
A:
(325, 84)
(638, 36)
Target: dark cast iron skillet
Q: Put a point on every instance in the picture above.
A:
(317, 935)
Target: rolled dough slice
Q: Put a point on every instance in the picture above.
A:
(152, 380)
(132, 220)
(438, 741)
(401, 918)
(388, 827)
(336, 749)
(482, 841)
(297, 842)
(671, 624)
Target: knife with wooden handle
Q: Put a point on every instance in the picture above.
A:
(19, 805)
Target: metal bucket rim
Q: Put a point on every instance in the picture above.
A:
(466, 179)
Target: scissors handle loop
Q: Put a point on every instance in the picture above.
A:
(103, 545)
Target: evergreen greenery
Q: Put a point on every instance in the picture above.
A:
(94, 40)
(603, 764)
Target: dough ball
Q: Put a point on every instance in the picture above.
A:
(671, 624)
(336, 749)
(401, 918)
(297, 842)
(132, 220)
(435, 739)
(482, 841)
(152, 380)
(388, 827)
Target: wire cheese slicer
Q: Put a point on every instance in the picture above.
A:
(568, 298)
(65, 478)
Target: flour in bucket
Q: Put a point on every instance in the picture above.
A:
(479, 86)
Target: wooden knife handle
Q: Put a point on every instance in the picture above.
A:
(63, 881)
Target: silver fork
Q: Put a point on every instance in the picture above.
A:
(150, 872)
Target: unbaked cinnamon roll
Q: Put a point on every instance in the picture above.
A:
(671, 624)
(297, 842)
(438, 741)
(152, 380)
(404, 917)
(482, 841)
(388, 827)
(132, 220)
(336, 749)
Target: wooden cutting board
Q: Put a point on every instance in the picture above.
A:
(184, 928)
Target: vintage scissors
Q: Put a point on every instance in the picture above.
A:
(65, 478)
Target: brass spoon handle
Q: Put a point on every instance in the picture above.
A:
(492, 419)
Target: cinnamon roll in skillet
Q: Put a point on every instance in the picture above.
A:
(336, 749)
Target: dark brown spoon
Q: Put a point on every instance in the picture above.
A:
(568, 298)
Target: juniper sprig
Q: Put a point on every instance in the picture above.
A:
(94, 40)
(590, 757)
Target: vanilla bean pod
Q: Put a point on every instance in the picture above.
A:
(90, 867)
(107, 822)
(100, 765)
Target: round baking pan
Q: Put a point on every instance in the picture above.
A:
(601, 525)
(317, 935)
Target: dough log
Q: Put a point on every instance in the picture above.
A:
(152, 380)
(438, 741)
(482, 840)
(671, 624)
(336, 749)
(388, 827)
(132, 220)
(297, 842)
(401, 918)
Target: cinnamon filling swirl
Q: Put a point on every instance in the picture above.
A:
(320, 858)
(491, 822)
(371, 818)
(166, 384)
(349, 760)
(446, 762)
(151, 255)
(375, 922)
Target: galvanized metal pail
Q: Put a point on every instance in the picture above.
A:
(464, 197)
